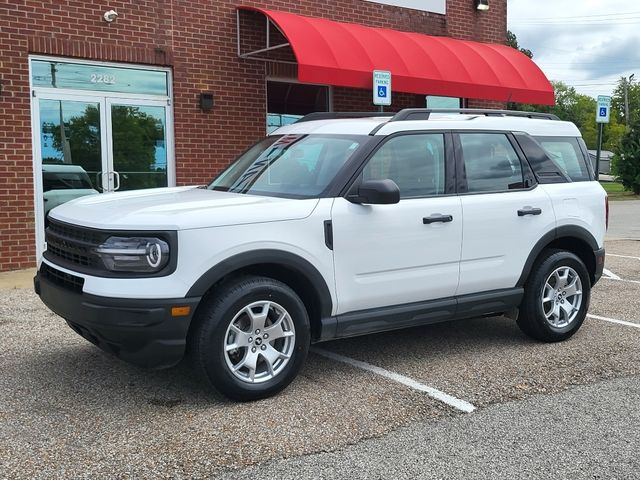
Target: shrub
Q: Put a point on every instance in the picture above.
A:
(626, 161)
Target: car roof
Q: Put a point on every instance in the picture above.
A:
(62, 168)
(383, 125)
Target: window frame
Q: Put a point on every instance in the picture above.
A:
(449, 164)
(528, 177)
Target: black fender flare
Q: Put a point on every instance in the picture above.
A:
(256, 257)
(568, 231)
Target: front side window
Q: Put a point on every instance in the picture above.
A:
(491, 164)
(416, 163)
(296, 166)
(566, 153)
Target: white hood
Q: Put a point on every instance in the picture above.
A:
(178, 208)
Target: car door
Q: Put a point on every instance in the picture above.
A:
(407, 252)
(505, 213)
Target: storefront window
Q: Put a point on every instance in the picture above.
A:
(435, 6)
(288, 102)
(98, 78)
(434, 101)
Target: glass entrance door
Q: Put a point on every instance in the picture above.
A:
(71, 150)
(86, 145)
(138, 144)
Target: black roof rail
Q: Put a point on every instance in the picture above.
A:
(336, 115)
(424, 113)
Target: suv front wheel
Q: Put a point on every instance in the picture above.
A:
(251, 337)
(556, 297)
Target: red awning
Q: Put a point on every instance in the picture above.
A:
(345, 54)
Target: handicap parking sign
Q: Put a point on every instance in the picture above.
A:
(381, 87)
(603, 109)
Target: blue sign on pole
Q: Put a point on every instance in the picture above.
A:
(604, 109)
(381, 87)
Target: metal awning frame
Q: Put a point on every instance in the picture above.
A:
(255, 54)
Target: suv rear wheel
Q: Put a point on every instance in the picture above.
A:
(556, 297)
(251, 338)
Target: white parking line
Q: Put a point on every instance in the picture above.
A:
(614, 320)
(610, 274)
(396, 377)
(620, 279)
(622, 256)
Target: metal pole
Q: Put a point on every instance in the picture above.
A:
(626, 101)
(598, 151)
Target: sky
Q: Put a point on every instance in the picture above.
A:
(588, 44)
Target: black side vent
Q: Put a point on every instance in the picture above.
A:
(328, 234)
(62, 279)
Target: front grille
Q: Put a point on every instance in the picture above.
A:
(62, 279)
(73, 246)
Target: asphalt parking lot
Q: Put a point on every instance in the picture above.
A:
(69, 410)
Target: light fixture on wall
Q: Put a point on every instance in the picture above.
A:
(110, 15)
(206, 101)
(482, 5)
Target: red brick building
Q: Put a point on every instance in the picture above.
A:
(99, 104)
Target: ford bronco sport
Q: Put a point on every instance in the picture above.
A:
(338, 225)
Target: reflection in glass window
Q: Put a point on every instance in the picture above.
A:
(97, 77)
(415, 163)
(277, 120)
(491, 163)
(566, 153)
(434, 101)
(139, 151)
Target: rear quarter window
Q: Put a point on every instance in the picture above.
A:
(566, 153)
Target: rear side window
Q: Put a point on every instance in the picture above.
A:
(567, 154)
(490, 162)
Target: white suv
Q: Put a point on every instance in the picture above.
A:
(334, 227)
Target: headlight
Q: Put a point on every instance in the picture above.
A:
(134, 254)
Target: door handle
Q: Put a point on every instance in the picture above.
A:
(437, 217)
(529, 211)
(116, 177)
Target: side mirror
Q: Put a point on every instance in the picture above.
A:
(376, 192)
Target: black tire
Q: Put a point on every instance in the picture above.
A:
(531, 319)
(208, 338)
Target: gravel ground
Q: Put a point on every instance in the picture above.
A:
(588, 432)
(626, 268)
(69, 410)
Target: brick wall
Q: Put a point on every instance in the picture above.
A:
(197, 39)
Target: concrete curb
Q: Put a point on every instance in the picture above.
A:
(17, 279)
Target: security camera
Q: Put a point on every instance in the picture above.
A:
(110, 16)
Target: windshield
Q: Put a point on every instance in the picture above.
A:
(299, 166)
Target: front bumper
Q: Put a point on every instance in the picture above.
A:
(139, 331)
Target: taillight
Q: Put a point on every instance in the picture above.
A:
(606, 211)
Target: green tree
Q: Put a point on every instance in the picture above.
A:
(626, 161)
(83, 136)
(581, 110)
(512, 41)
(135, 137)
(617, 99)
